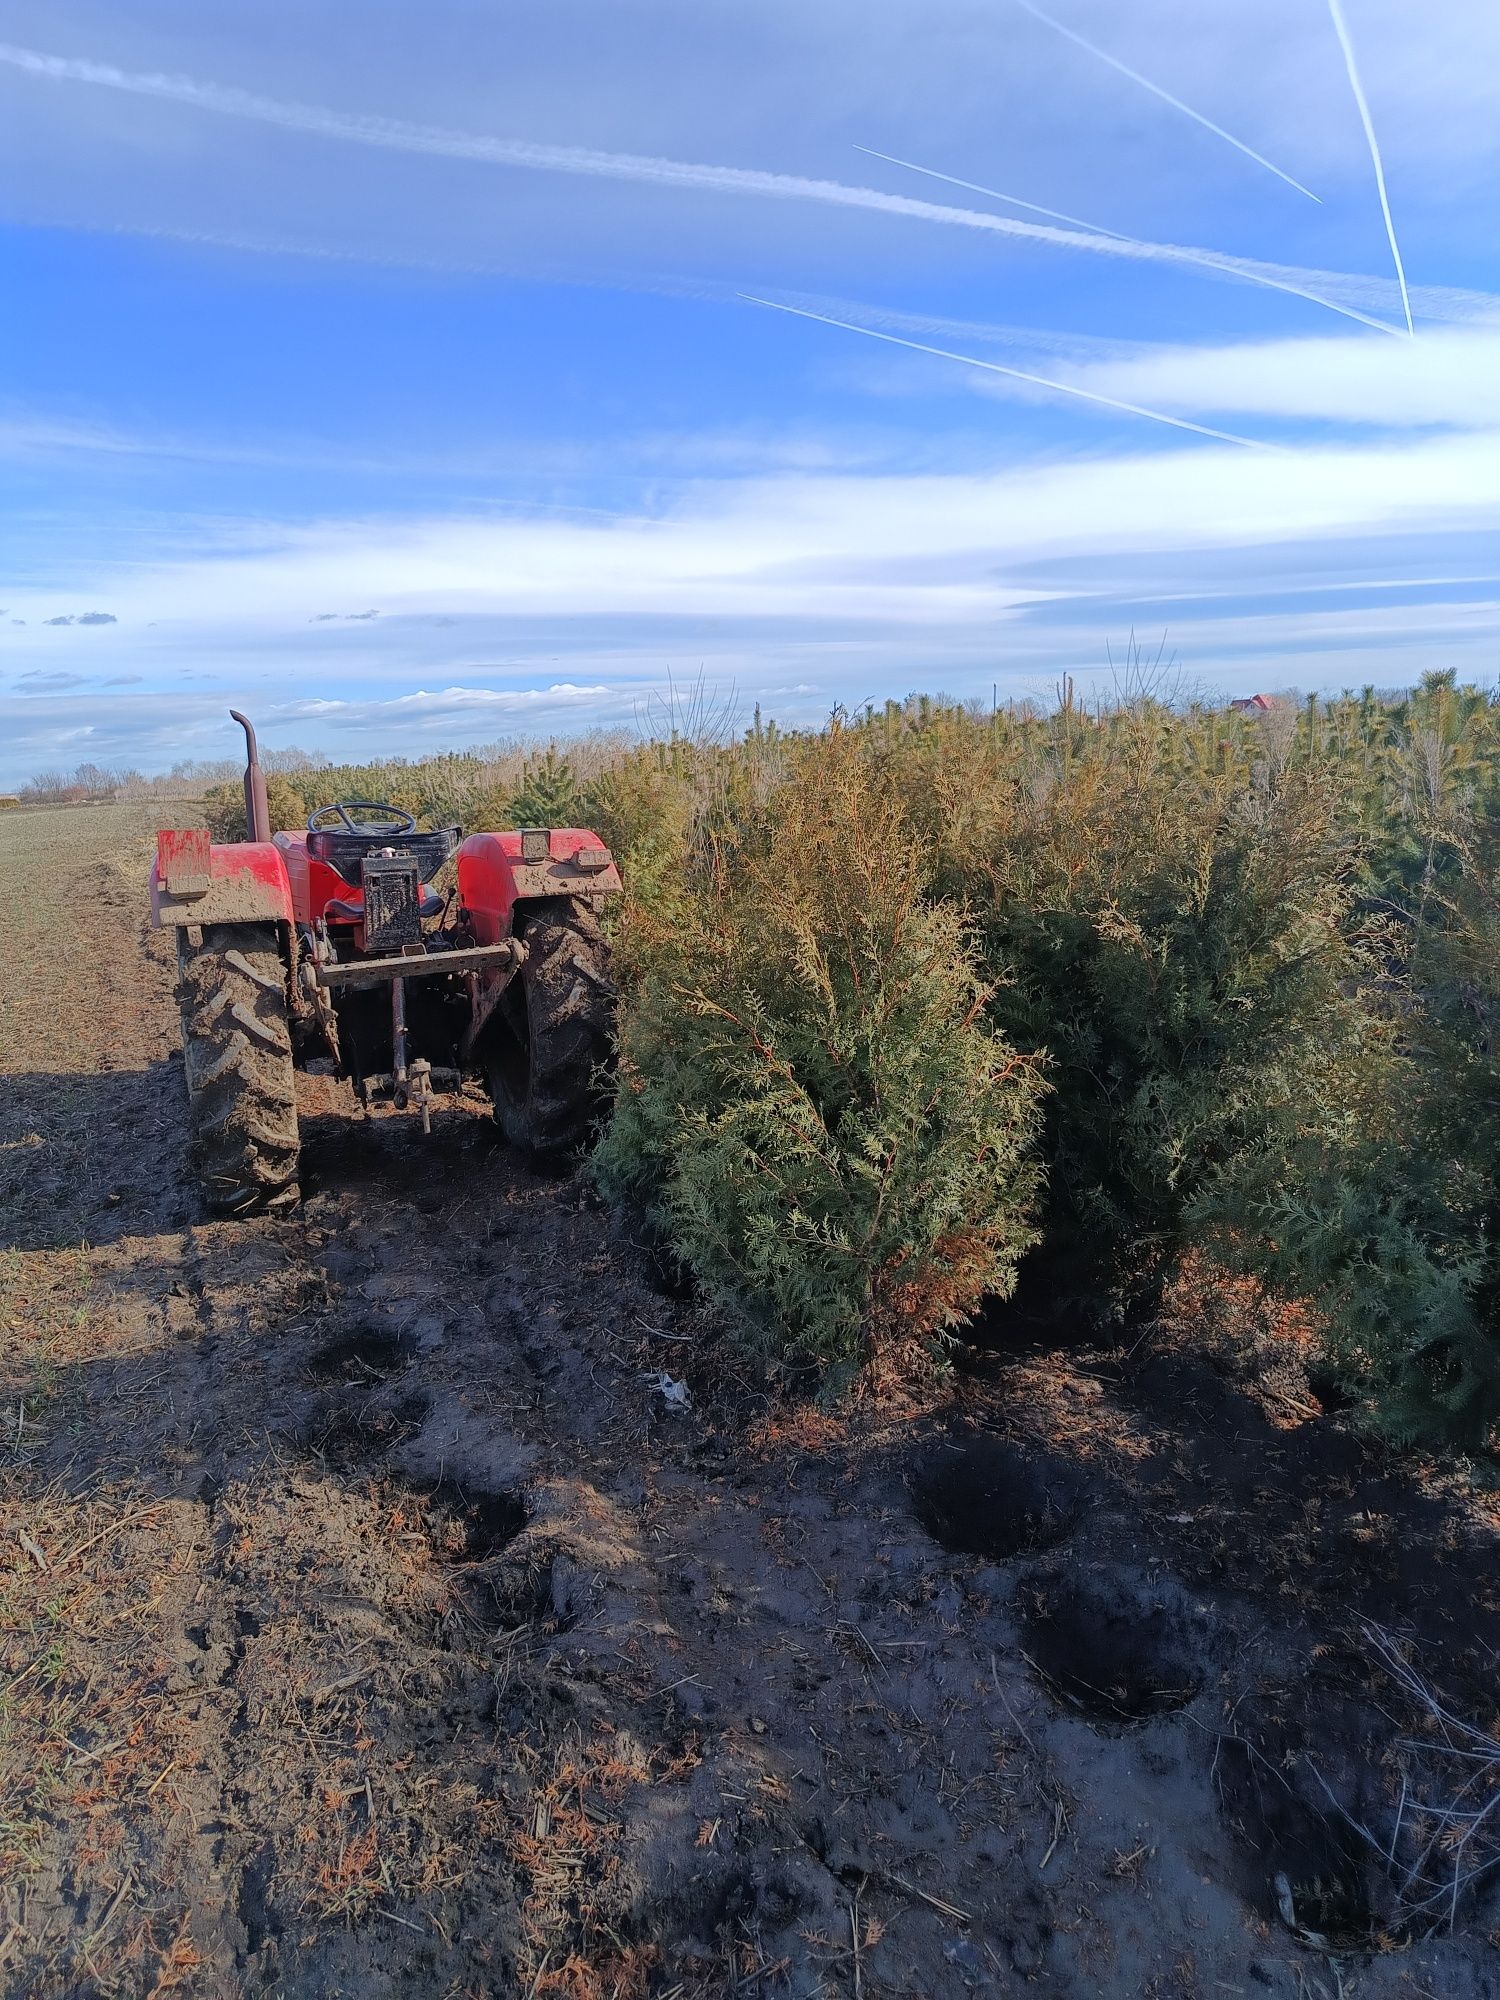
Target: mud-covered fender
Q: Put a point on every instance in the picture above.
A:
(496, 872)
(195, 882)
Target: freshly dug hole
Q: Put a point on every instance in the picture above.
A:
(540, 1592)
(345, 1430)
(467, 1524)
(986, 1497)
(367, 1354)
(1300, 1769)
(1307, 1866)
(1000, 1332)
(1113, 1647)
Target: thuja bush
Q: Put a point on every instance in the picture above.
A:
(662, 805)
(1391, 1237)
(1175, 932)
(1388, 1218)
(224, 807)
(812, 1106)
(643, 808)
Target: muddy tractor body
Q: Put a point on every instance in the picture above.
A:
(330, 947)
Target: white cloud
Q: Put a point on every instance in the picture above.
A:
(1449, 376)
(446, 710)
(861, 549)
(856, 585)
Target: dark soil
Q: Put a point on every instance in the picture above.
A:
(372, 1627)
(466, 1524)
(368, 1354)
(349, 1429)
(985, 1497)
(1280, 1776)
(1117, 1647)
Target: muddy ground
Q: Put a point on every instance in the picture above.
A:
(374, 1625)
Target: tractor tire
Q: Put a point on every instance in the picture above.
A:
(552, 1043)
(237, 1052)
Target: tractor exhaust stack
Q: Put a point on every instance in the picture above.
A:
(257, 811)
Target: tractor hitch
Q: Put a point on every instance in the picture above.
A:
(410, 1081)
(411, 1088)
(510, 953)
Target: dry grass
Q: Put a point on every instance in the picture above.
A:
(95, 1733)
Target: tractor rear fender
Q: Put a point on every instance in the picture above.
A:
(195, 882)
(313, 884)
(498, 871)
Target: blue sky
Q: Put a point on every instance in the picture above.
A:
(388, 371)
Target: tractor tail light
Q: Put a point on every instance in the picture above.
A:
(536, 844)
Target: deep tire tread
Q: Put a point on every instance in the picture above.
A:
(568, 992)
(237, 1055)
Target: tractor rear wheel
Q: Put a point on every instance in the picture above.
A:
(551, 1044)
(237, 1052)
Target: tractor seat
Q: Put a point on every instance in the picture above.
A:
(343, 852)
(337, 911)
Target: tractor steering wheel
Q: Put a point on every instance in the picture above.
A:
(392, 819)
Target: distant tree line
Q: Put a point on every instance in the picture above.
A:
(89, 784)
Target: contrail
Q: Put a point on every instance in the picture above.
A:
(1016, 374)
(1167, 98)
(1341, 29)
(400, 136)
(1283, 279)
(1056, 214)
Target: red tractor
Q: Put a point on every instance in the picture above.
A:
(330, 946)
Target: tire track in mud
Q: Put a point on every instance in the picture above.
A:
(479, 1662)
